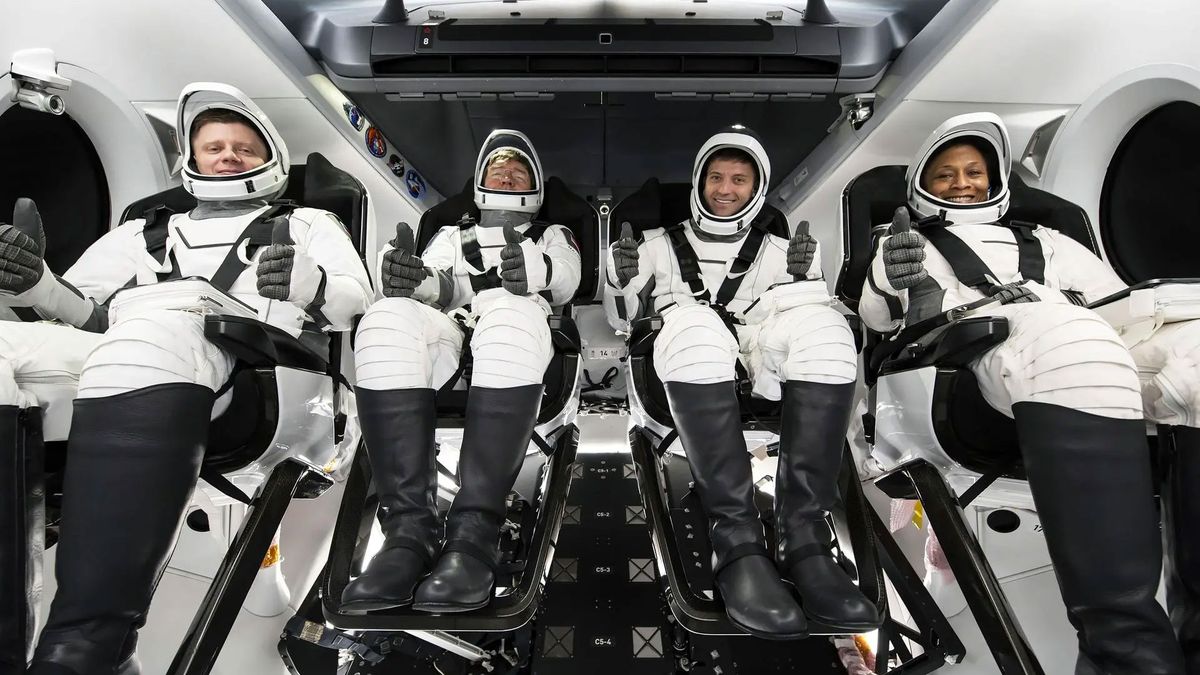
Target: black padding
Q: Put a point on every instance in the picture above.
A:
(658, 204)
(560, 206)
(261, 345)
(870, 200)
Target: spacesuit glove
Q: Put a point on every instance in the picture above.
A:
(288, 273)
(524, 268)
(402, 272)
(625, 256)
(1013, 293)
(903, 253)
(802, 248)
(22, 245)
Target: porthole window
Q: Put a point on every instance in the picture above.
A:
(1149, 209)
(50, 159)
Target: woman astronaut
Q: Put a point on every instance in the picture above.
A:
(795, 346)
(492, 283)
(1063, 375)
(148, 385)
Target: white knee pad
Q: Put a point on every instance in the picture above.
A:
(404, 344)
(695, 346)
(156, 347)
(1063, 355)
(511, 344)
(810, 343)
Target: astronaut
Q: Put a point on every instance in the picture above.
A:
(771, 312)
(149, 384)
(1063, 375)
(491, 285)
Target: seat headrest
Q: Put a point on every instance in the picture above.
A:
(316, 184)
(872, 198)
(560, 206)
(658, 204)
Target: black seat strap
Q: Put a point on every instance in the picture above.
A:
(689, 262)
(257, 234)
(970, 269)
(473, 254)
(1032, 262)
(745, 258)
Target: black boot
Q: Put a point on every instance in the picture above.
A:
(708, 420)
(1181, 518)
(22, 531)
(500, 423)
(398, 426)
(1091, 483)
(813, 432)
(132, 462)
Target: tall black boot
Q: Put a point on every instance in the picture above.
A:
(398, 426)
(813, 433)
(1181, 536)
(500, 423)
(1092, 486)
(132, 462)
(708, 420)
(22, 530)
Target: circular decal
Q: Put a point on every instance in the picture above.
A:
(355, 117)
(416, 184)
(375, 143)
(396, 165)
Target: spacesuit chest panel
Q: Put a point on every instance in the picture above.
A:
(724, 280)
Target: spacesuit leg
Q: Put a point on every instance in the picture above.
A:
(1169, 364)
(811, 349)
(1072, 389)
(39, 372)
(140, 425)
(512, 348)
(404, 351)
(694, 355)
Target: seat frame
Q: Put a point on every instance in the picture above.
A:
(926, 366)
(556, 434)
(872, 552)
(275, 359)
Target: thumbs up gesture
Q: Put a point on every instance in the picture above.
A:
(904, 253)
(802, 248)
(514, 272)
(286, 272)
(625, 256)
(402, 271)
(22, 246)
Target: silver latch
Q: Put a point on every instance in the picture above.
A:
(856, 109)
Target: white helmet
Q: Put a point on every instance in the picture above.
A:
(740, 138)
(987, 133)
(261, 182)
(524, 201)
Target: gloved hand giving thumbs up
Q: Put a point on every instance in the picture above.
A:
(514, 269)
(285, 272)
(22, 246)
(802, 248)
(402, 271)
(625, 256)
(903, 253)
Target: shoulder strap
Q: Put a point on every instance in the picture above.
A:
(1032, 261)
(745, 258)
(257, 234)
(474, 257)
(968, 267)
(689, 262)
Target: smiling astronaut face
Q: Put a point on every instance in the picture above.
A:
(957, 174)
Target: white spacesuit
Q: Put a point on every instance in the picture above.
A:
(493, 284)
(730, 293)
(1063, 374)
(149, 384)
